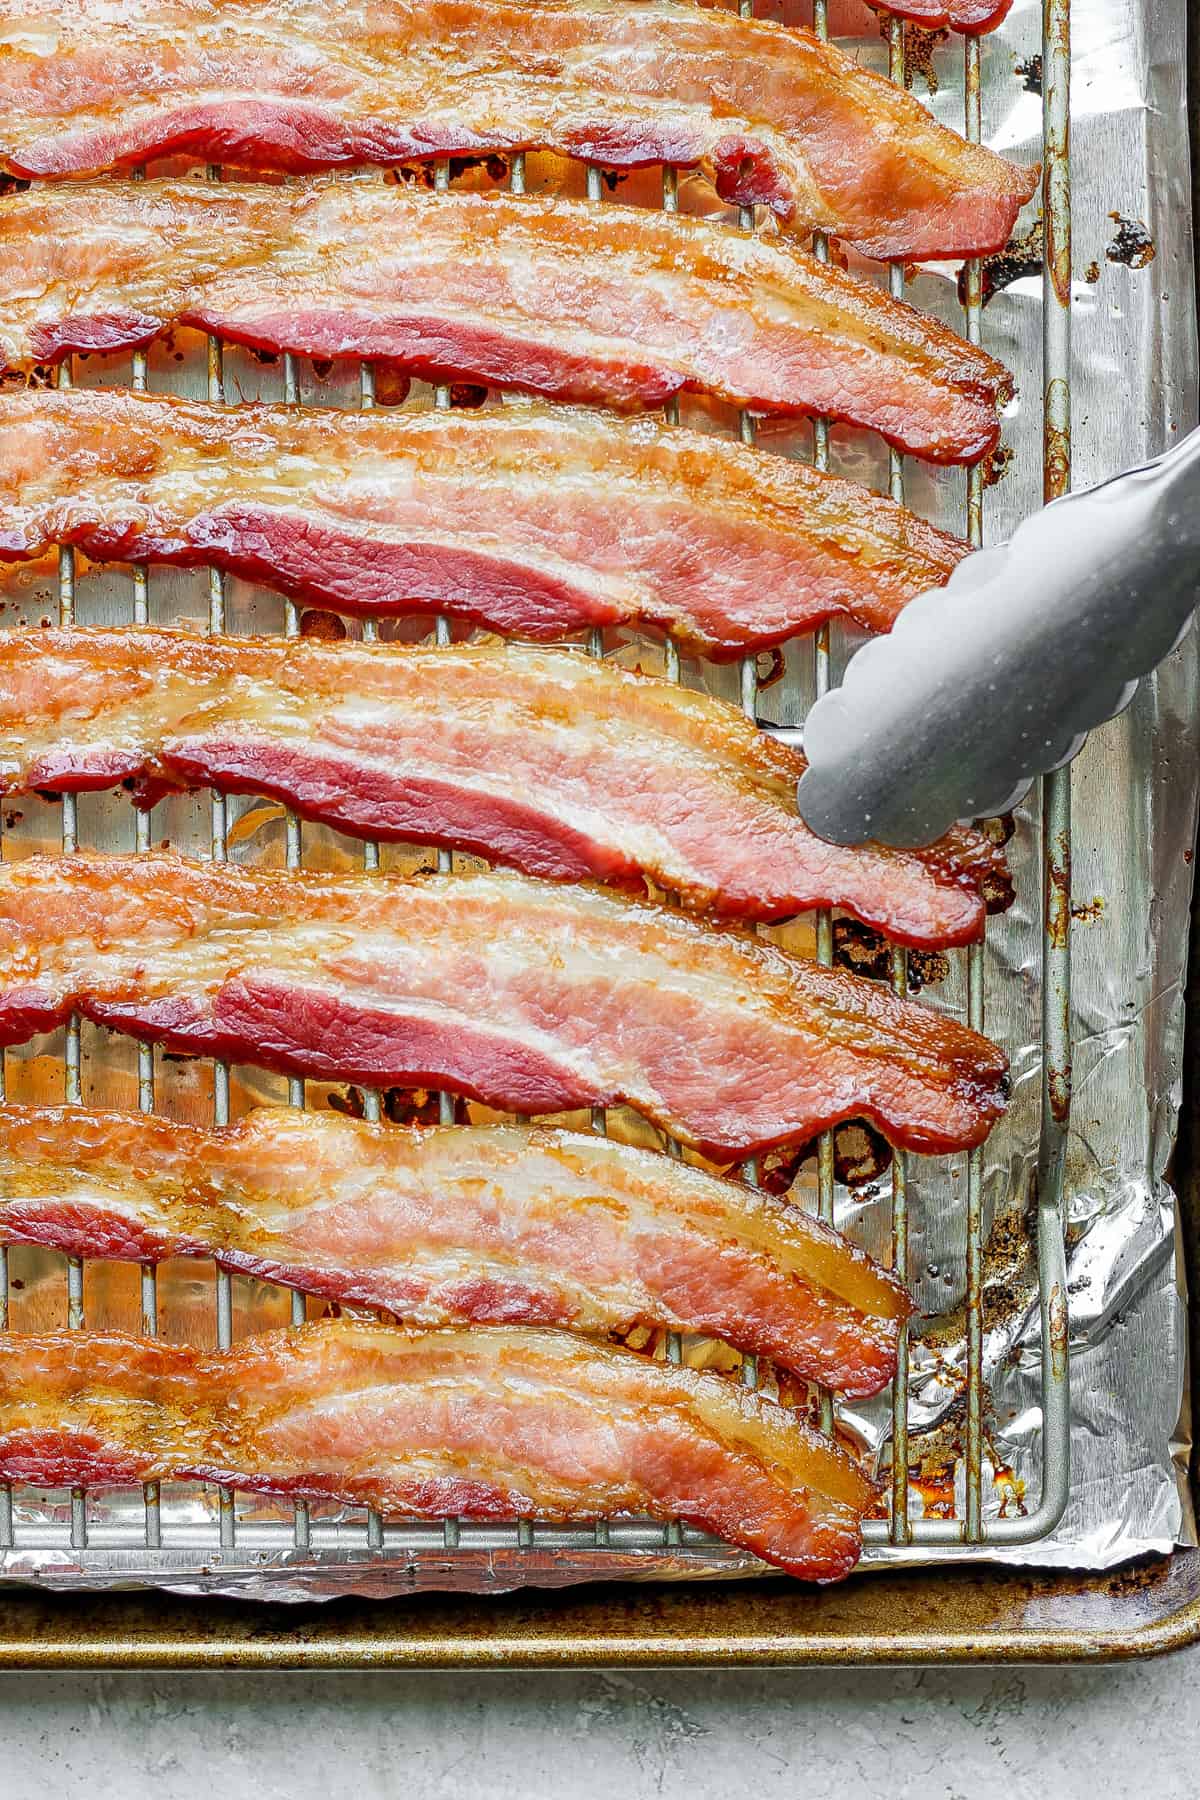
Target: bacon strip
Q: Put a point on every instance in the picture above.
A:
(972, 17)
(545, 760)
(773, 116)
(535, 521)
(530, 997)
(458, 1225)
(617, 304)
(491, 1423)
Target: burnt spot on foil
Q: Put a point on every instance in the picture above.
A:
(1132, 244)
(920, 47)
(324, 627)
(1009, 1285)
(861, 1154)
(999, 830)
(1030, 74)
(1021, 257)
(403, 1106)
(997, 464)
(770, 667)
(866, 952)
(424, 173)
(392, 385)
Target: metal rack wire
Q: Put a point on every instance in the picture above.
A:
(107, 1553)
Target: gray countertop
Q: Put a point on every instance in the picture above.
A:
(941, 1734)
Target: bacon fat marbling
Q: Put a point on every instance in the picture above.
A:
(487, 1423)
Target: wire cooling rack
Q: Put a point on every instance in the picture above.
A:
(216, 1539)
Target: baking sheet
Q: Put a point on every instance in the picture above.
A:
(1135, 800)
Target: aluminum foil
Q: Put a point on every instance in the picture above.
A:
(1135, 796)
(1135, 792)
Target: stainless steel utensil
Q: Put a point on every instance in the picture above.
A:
(999, 676)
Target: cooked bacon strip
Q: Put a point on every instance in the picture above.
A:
(618, 304)
(536, 521)
(499, 1225)
(527, 996)
(490, 1423)
(546, 760)
(972, 17)
(773, 116)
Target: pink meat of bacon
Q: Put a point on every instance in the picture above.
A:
(617, 304)
(972, 17)
(774, 116)
(494, 1422)
(531, 997)
(534, 521)
(546, 760)
(492, 1225)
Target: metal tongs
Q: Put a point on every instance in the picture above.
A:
(998, 677)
